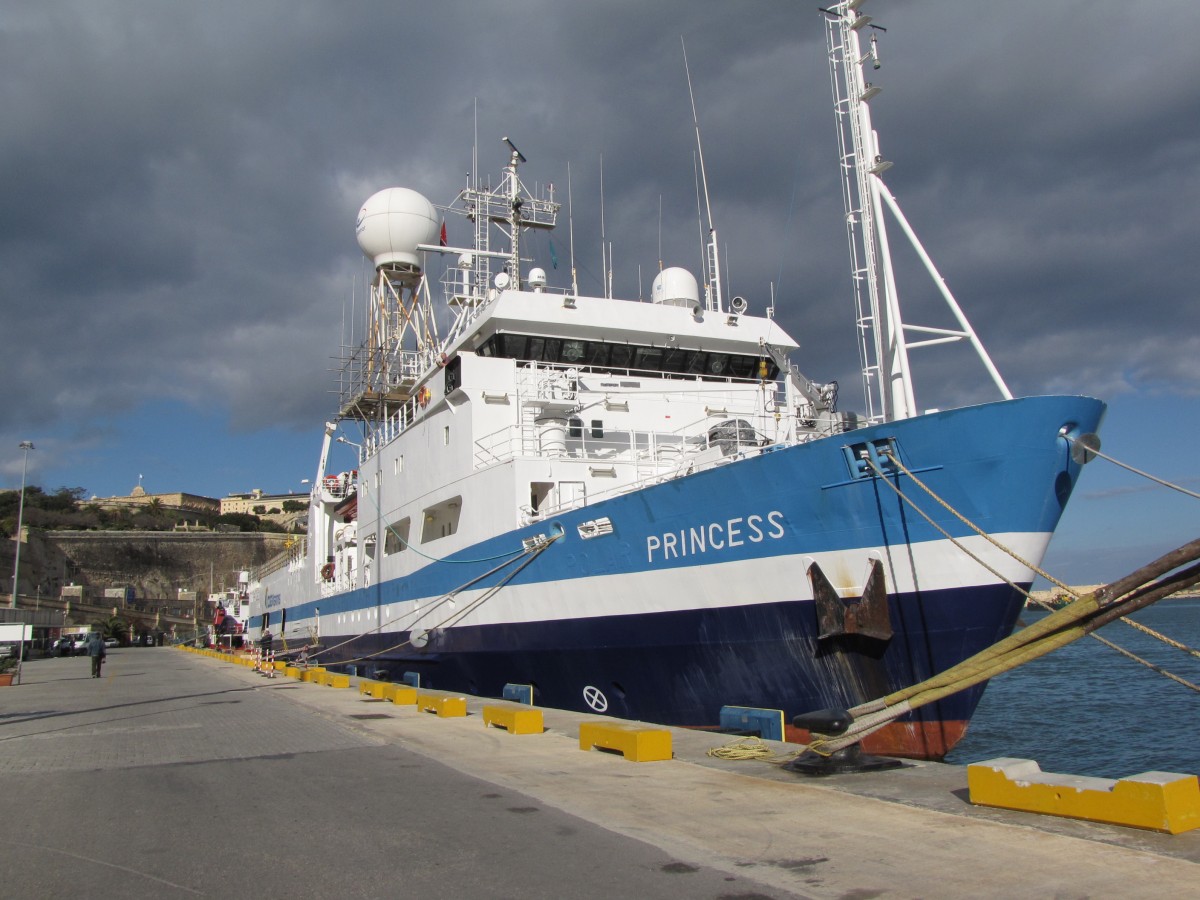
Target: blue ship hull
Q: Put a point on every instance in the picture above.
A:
(701, 595)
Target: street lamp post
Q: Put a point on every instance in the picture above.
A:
(26, 446)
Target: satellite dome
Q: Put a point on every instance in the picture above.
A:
(675, 287)
(392, 223)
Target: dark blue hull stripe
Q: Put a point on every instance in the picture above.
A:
(680, 668)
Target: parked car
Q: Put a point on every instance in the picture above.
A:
(111, 642)
(79, 647)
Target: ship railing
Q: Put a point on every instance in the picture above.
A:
(293, 553)
(650, 451)
(648, 477)
(390, 428)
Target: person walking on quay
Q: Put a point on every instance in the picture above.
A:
(96, 651)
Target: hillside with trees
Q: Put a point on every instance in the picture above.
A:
(66, 509)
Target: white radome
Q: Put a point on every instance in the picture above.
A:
(392, 223)
(674, 286)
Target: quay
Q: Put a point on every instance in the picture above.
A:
(177, 774)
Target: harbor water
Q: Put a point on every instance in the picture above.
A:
(1088, 710)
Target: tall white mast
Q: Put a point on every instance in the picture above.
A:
(884, 349)
(712, 267)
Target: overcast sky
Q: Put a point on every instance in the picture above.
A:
(181, 180)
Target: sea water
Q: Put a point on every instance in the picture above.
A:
(1087, 710)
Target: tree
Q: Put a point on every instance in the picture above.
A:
(114, 627)
(65, 499)
(243, 521)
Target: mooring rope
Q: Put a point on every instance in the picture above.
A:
(1123, 465)
(977, 529)
(752, 748)
(1061, 627)
(531, 553)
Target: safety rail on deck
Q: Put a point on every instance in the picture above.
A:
(648, 450)
(541, 382)
(281, 559)
(374, 369)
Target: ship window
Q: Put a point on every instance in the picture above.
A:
(674, 360)
(622, 355)
(441, 520)
(743, 367)
(396, 538)
(669, 361)
(597, 428)
(575, 427)
(515, 346)
(597, 353)
(649, 358)
(454, 374)
(446, 436)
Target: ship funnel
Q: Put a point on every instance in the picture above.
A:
(390, 226)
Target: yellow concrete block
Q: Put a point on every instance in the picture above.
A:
(400, 694)
(376, 689)
(292, 671)
(336, 680)
(515, 720)
(280, 665)
(314, 675)
(1158, 801)
(444, 707)
(638, 743)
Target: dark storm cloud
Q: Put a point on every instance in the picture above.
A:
(181, 180)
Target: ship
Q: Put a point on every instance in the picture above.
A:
(645, 509)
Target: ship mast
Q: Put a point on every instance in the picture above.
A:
(883, 342)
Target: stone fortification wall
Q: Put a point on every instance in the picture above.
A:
(157, 564)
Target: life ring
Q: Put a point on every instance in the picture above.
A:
(423, 397)
(327, 572)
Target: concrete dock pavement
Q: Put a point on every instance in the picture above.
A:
(181, 775)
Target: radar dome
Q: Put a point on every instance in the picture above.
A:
(675, 287)
(392, 223)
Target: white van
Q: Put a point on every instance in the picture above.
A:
(79, 646)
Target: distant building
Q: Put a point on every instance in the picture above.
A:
(139, 499)
(271, 504)
(288, 510)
